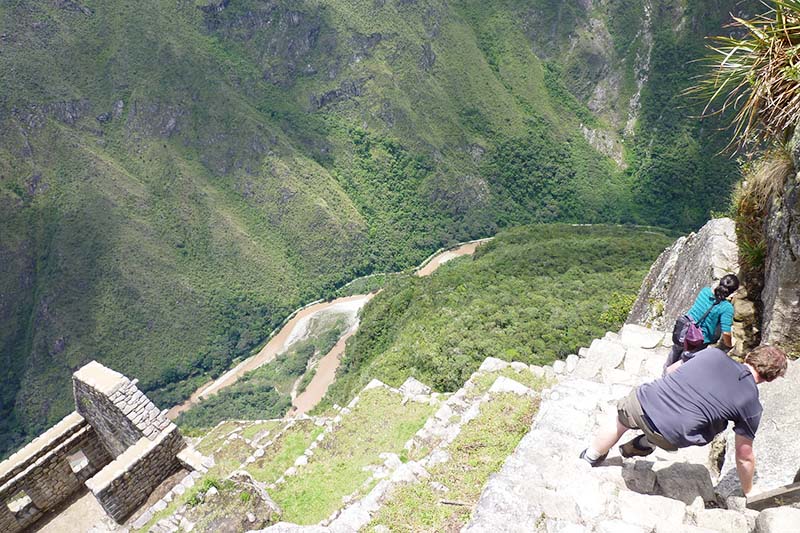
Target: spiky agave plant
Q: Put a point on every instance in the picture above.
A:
(756, 73)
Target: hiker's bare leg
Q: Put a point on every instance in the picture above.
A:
(607, 436)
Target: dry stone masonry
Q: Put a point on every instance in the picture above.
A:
(117, 443)
(544, 487)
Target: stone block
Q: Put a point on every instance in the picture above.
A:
(618, 526)
(608, 353)
(684, 482)
(571, 362)
(505, 385)
(634, 336)
(650, 511)
(778, 520)
(519, 367)
(682, 528)
(634, 360)
(492, 364)
(724, 521)
(639, 476)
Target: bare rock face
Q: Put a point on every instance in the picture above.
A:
(693, 262)
(775, 446)
(781, 293)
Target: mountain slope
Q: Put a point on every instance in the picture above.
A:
(175, 177)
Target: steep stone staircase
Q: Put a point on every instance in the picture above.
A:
(542, 486)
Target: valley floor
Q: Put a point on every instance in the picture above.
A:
(297, 326)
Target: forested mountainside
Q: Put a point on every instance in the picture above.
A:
(177, 176)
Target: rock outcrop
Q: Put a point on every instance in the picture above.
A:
(693, 262)
(781, 294)
(777, 453)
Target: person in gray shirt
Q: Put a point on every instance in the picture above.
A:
(691, 405)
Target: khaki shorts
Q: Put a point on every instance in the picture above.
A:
(631, 415)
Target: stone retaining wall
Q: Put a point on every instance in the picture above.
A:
(127, 448)
(122, 486)
(50, 472)
(115, 407)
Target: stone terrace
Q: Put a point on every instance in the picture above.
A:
(117, 443)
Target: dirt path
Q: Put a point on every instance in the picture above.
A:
(326, 369)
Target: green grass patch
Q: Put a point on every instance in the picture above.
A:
(254, 429)
(483, 383)
(479, 451)
(215, 437)
(282, 453)
(378, 423)
(187, 498)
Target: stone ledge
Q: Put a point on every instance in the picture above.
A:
(100, 378)
(81, 433)
(41, 445)
(194, 460)
(120, 466)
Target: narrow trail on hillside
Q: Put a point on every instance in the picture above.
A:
(295, 328)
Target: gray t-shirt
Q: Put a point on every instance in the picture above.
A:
(693, 404)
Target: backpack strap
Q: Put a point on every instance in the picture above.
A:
(703, 318)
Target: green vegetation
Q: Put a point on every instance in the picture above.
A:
(484, 382)
(378, 423)
(479, 450)
(283, 451)
(214, 438)
(177, 177)
(755, 73)
(533, 294)
(266, 392)
(254, 429)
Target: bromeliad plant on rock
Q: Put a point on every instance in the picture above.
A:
(755, 72)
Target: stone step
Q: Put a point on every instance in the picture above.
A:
(543, 486)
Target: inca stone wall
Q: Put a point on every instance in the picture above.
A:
(115, 407)
(127, 482)
(118, 443)
(49, 470)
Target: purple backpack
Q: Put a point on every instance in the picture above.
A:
(694, 339)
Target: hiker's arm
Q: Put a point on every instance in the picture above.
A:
(745, 462)
(727, 340)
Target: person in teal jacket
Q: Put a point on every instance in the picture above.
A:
(718, 313)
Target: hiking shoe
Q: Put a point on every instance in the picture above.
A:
(635, 448)
(595, 462)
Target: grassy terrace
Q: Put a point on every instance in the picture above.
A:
(254, 429)
(379, 423)
(485, 381)
(282, 453)
(215, 438)
(479, 451)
